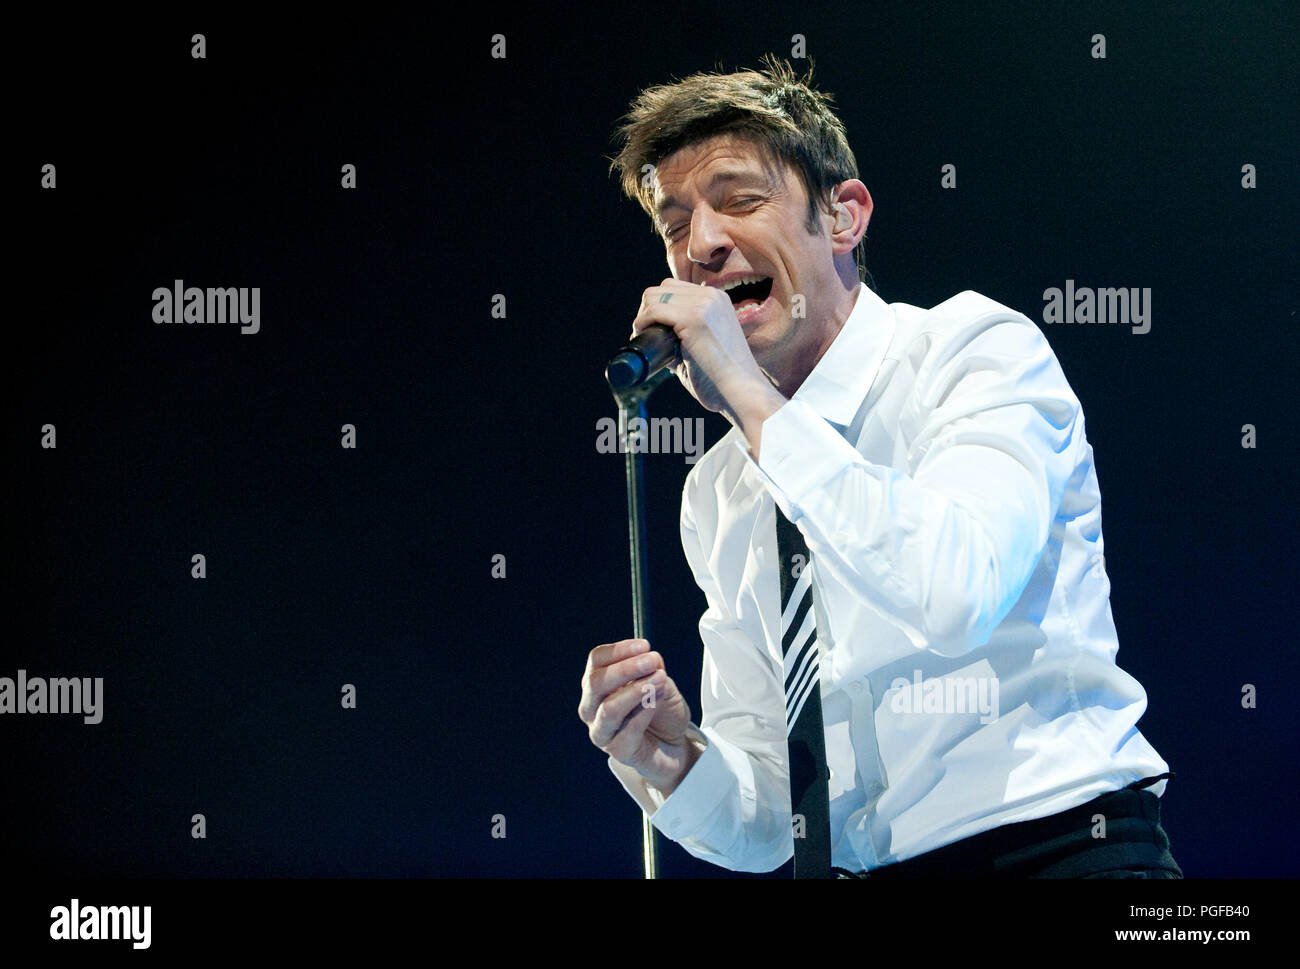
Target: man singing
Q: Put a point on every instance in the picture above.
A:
(909, 653)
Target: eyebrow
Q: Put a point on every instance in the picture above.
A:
(719, 178)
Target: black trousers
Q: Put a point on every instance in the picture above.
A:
(1058, 846)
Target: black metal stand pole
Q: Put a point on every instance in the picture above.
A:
(632, 404)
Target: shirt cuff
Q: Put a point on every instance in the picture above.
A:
(686, 812)
(799, 452)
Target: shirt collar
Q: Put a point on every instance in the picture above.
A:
(839, 383)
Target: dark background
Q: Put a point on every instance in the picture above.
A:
(476, 435)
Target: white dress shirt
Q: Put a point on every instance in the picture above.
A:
(936, 463)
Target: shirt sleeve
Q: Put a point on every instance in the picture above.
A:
(733, 806)
(944, 547)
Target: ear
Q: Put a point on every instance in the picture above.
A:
(851, 206)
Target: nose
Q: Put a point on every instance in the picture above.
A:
(709, 243)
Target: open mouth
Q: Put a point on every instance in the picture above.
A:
(748, 293)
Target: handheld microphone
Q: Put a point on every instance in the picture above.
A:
(642, 357)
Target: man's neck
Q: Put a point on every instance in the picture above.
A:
(790, 382)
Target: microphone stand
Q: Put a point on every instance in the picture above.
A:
(632, 404)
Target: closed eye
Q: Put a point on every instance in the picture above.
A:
(672, 232)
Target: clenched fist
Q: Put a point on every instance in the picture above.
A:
(714, 361)
(635, 713)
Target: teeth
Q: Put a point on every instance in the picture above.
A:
(742, 281)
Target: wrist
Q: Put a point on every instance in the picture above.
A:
(681, 757)
(749, 404)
